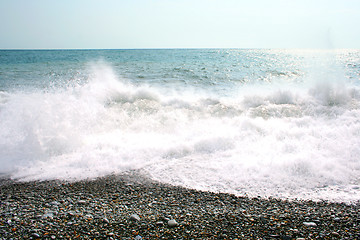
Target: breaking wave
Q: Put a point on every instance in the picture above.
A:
(292, 141)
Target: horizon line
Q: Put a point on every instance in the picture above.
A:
(171, 48)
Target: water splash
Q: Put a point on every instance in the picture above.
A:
(297, 141)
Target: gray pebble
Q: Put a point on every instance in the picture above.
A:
(172, 223)
(134, 217)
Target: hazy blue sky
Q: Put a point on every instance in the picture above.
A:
(179, 23)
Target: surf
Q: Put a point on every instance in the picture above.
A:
(289, 140)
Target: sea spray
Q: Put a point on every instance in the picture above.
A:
(283, 138)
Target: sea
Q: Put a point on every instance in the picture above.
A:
(250, 122)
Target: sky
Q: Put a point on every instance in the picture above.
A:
(127, 24)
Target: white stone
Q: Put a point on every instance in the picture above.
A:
(310, 224)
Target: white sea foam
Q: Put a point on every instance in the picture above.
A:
(298, 141)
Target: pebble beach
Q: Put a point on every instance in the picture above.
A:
(133, 207)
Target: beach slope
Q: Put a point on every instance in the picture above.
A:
(131, 207)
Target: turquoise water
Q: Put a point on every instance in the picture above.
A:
(221, 68)
(282, 123)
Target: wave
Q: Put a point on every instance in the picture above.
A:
(285, 141)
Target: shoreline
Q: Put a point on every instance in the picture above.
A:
(130, 206)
